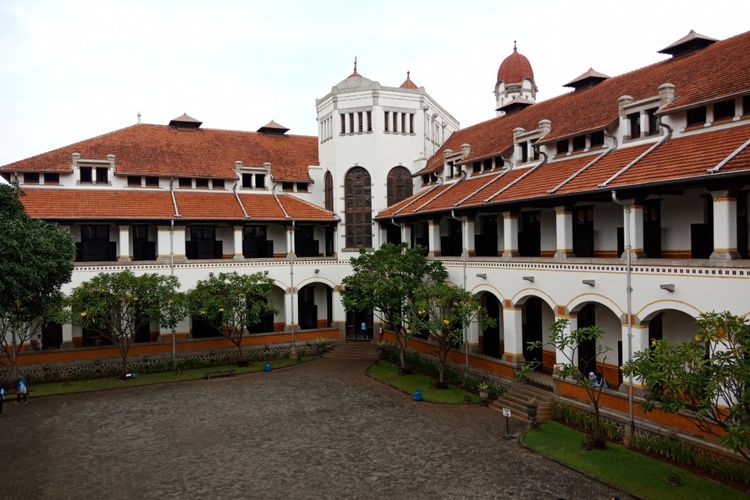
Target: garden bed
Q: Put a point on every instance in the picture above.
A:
(388, 373)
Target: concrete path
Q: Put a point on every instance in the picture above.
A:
(320, 430)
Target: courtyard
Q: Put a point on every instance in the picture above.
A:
(319, 430)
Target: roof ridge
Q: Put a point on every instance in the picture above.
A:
(317, 207)
(581, 170)
(635, 160)
(729, 158)
(441, 193)
(483, 186)
(514, 182)
(417, 198)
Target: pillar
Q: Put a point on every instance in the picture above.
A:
(339, 313)
(725, 225)
(124, 244)
(636, 229)
(290, 241)
(513, 333)
(433, 233)
(291, 309)
(67, 335)
(643, 121)
(563, 232)
(472, 336)
(163, 244)
(406, 234)
(467, 233)
(238, 254)
(639, 343)
(510, 234)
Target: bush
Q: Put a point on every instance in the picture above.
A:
(586, 421)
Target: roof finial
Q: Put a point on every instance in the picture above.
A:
(355, 64)
(408, 74)
(514, 46)
(139, 118)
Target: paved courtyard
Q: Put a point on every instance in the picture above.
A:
(320, 430)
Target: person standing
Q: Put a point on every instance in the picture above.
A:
(2, 398)
(21, 391)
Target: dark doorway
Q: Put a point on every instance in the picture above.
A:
(203, 244)
(452, 245)
(652, 229)
(485, 243)
(308, 310)
(530, 235)
(52, 336)
(305, 244)
(702, 235)
(491, 335)
(203, 329)
(420, 236)
(255, 243)
(95, 244)
(532, 331)
(143, 330)
(393, 233)
(655, 329)
(143, 249)
(264, 325)
(354, 320)
(92, 338)
(742, 243)
(587, 349)
(583, 231)
(329, 235)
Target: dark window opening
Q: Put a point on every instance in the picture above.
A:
(302, 187)
(452, 244)
(143, 249)
(287, 186)
(597, 139)
(742, 220)
(358, 208)
(530, 235)
(255, 243)
(328, 191)
(724, 110)
(95, 245)
(351, 123)
(85, 175)
(653, 127)
(702, 235)
(31, 178)
(343, 123)
(746, 105)
(102, 175)
(583, 231)
(186, 182)
(134, 180)
(487, 164)
(5, 175)
(485, 242)
(305, 244)
(476, 167)
(696, 116)
(562, 147)
(420, 236)
(329, 235)
(360, 123)
(386, 115)
(579, 143)
(260, 181)
(247, 180)
(50, 178)
(399, 185)
(403, 123)
(218, 184)
(393, 233)
(411, 123)
(531, 331)
(200, 182)
(153, 181)
(369, 121)
(395, 122)
(524, 151)
(425, 179)
(652, 229)
(634, 120)
(587, 349)
(203, 243)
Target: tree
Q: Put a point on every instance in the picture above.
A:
(116, 305)
(232, 303)
(568, 342)
(714, 388)
(35, 261)
(384, 281)
(444, 311)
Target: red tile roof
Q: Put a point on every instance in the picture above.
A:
(514, 68)
(719, 70)
(603, 169)
(171, 151)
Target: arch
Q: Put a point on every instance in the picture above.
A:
(522, 295)
(577, 302)
(314, 305)
(358, 208)
(653, 308)
(328, 190)
(399, 184)
(316, 279)
(487, 288)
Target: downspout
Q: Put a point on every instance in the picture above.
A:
(642, 155)
(239, 202)
(171, 265)
(293, 352)
(400, 226)
(629, 295)
(464, 256)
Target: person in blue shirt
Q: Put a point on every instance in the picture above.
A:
(21, 391)
(2, 398)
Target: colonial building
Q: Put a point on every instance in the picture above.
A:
(533, 211)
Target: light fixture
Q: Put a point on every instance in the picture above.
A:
(589, 282)
(482, 275)
(317, 271)
(668, 287)
(530, 279)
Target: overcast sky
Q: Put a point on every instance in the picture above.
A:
(71, 70)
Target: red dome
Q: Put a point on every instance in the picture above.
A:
(515, 68)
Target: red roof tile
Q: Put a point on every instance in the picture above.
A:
(514, 68)
(603, 169)
(543, 179)
(45, 203)
(171, 151)
(208, 205)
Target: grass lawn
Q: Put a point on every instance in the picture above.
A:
(388, 373)
(628, 470)
(148, 378)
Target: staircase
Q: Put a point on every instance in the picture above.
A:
(517, 399)
(350, 349)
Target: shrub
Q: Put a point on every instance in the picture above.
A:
(586, 421)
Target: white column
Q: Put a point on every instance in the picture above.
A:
(124, 244)
(636, 230)
(433, 232)
(67, 334)
(339, 313)
(568, 356)
(406, 234)
(643, 119)
(725, 225)
(640, 343)
(472, 335)
(467, 233)
(563, 232)
(238, 255)
(163, 244)
(510, 234)
(291, 309)
(290, 241)
(513, 333)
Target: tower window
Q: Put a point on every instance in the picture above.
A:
(386, 115)
(85, 175)
(696, 116)
(724, 110)
(411, 123)
(369, 121)
(395, 122)
(343, 123)
(399, 185)
(351, 123)
(403, 123)
(634, 120)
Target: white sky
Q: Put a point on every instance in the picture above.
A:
(71, 70)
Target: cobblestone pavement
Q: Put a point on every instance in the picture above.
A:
(320, 430)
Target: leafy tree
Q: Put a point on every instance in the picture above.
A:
(35, 261)
(444, 310)
(116, 305)
(232, 302)
(18, 329)
(568, 342)
(715, 389)
(385, 281)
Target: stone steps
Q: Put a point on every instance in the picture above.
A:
(517, 400)
(360, 349)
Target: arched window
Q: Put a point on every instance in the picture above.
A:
(358, 208)
(328, 191)
(399, 185)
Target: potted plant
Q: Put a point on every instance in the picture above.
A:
(531, 409)
(484, 392)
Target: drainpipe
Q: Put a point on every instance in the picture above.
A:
(629, 294)
(464, 256)
(293, 352)
(171, 273)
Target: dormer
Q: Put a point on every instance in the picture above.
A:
(524, 142)
(253, 177)
(452, 166)
(586, 80)
(90, 172)
(185, 122)
(273, 128)
(692, 42)
(638, 119)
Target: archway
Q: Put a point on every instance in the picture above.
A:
(315, 306)
(399, 185)
(272, 321)
(491, 339)
(603, 355)
(536, 320)
(358, 208)
(672, 325)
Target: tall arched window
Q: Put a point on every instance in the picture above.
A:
(358, 208)
(399, 185)
(328, 191)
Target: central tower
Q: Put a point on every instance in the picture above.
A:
(515, 87)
